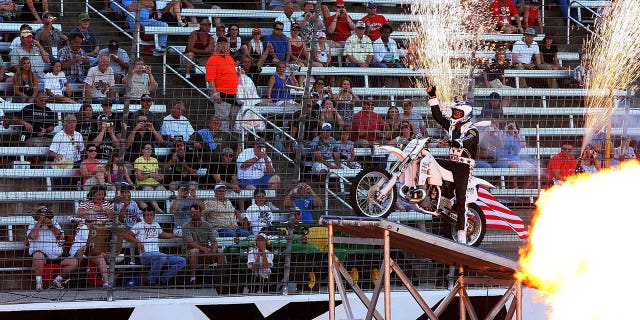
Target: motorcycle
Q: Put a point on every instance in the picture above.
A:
(375, 191)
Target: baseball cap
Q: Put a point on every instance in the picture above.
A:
(531, 31)
(107, 102)
(321, 34)
(45, 14)
(205, 21)
(228, 151)
(220, 26)
(371, 5)
(103, 118)
(221, 39)
(25, 33)
(218, 186)
(42, 209)
(361, 24)
(146, 96)
(494, 95)
(534, 2)
(339, 2)
(326, 127)
(114, 44)
(261, 235)
(84, 16)
(184, 185)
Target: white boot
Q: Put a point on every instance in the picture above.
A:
(462, 236)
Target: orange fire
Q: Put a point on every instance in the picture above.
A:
(581, 237)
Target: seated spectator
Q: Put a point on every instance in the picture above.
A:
(143, 132)
(392, 123)
(304, 198)
(146, 101)
(140, 80)
(8, 9)
(255, 168)
(589, 160)
(562, 165)
(199, 47)
(367, 126)
(145, 235)
(493, 110)
(503, 11)
(531, 16)
(32, 9)
(584, 72)
(347, 150)
(493, 73)
(236, 48)
(489, 139)
(199, 240)
(118, 60)
(105, 138)
(549, 57)
(49, 36)
(100, 80)
(255, 45)
(25, 82)
(298, 48)
(385, 50)
(526, 56)
(329, 114)
(326, 155)
(92, 171)
(186, 197)
(90, 43)
(96, 203)
(277, 90)
(345, 99)
(212, 141)
(258, 216)
(508, 154)
(321, 92)
(359, 49)
(624, 152)
(67, 145)
(77, 254)
(220, 32)
(181, 166)
(37, 120)
(17, 41)
(148, 175)
(418, 125)
(74, 61)
(56, 84)
(260, 261)
(169, 11)
(146, 19)
(176, 126)
(276, 46)
(222, 215)
(340, 25)
(86, 122)
(109, 116)
(119, 171)
(404, 135)
(128, 211)
(323, 51)
(43, 235)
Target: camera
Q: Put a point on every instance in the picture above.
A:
(108, 124)
(315, 94)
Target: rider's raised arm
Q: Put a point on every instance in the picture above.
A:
(437, 114)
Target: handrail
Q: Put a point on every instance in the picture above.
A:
(579, 5)
(166, 66)
(109, 21)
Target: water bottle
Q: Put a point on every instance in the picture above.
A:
(393, 60)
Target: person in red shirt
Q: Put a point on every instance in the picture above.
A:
(531, 16)
(367, 126)
(562, 165)
(373, 21)
(502, 11)
(340, 25)
(222, 77)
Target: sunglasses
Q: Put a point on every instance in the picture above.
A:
(91, 150)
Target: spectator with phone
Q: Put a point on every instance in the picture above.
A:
(43, 235)
(340, 25)
(141, 80)
(105, 138)
(255, 168)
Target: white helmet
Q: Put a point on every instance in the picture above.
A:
(467, 112)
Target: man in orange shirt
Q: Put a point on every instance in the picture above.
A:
(222, 77)
(562, 165)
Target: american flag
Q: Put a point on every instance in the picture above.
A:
(498, 216)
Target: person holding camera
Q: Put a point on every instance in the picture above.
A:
(329, 114)
(340, 25)
(44, 236)
(301, 196)
(255, 168)
(140, 80)
(105, 138)
(144, 132)
(307, 19)
(180, 166)
(508, 153)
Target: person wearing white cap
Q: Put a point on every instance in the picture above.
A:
(526, 54)
(323, 52)
(260, 260)
(31, 49)
(359, 49)
(222, 215)
(326, 155)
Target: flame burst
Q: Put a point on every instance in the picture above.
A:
(581, 236)
(446, 38)
(615, 60)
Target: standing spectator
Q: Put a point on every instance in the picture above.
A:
(508, 154)
(31, 49)
(38, 121)
(358, 48)
(562, 165)
(56, 84)
(255, 168)
(304, 198)
(345, 99)
(260, 261)
(418, 125)
(176, 126)
(329, 114)
(340, 25)
(74, 60)
(145, 235)
(143, 132)
(180, 166)
(374, 21)
(100, 81)
(367, 125)
(140, 80)
(307, 19)
(200, 46)
(148, 175)
(128, 211)
(146, 20)
(532, 16)
(526, 54)
(105, 138)
(258, 216)
(200, 243)
(625, 151)
(43, 235)
(222, 215)
(277, 89)
(96, 203)
(287, 18)
(90, 44)
(326, 155)
(211, 140)
(49, 36)
(68, 144)
(32, 9)
(185, 198)
(583, 73)
(276, 46)
(222, 77)
(25, 82)
(549, 58)
(503, 11)
(493, 73)
(119, 59)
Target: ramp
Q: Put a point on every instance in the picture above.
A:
(492, 269)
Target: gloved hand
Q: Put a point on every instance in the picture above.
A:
(456, 143)
(431, 91)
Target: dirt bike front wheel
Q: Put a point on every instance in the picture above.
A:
(365, 194)
(476, 226)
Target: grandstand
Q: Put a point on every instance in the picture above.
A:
(30, 176)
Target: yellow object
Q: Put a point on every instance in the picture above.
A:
(312, 280)
(375, 273)
(318, 236)
(355, 275)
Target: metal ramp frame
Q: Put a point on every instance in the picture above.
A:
(494, 269)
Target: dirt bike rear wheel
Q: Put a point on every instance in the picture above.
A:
(476, 226)
(365, 190)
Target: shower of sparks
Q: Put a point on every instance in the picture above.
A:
(615, 61)
(446, 39)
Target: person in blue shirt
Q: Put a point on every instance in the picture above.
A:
(304, 198)
(276, 46)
